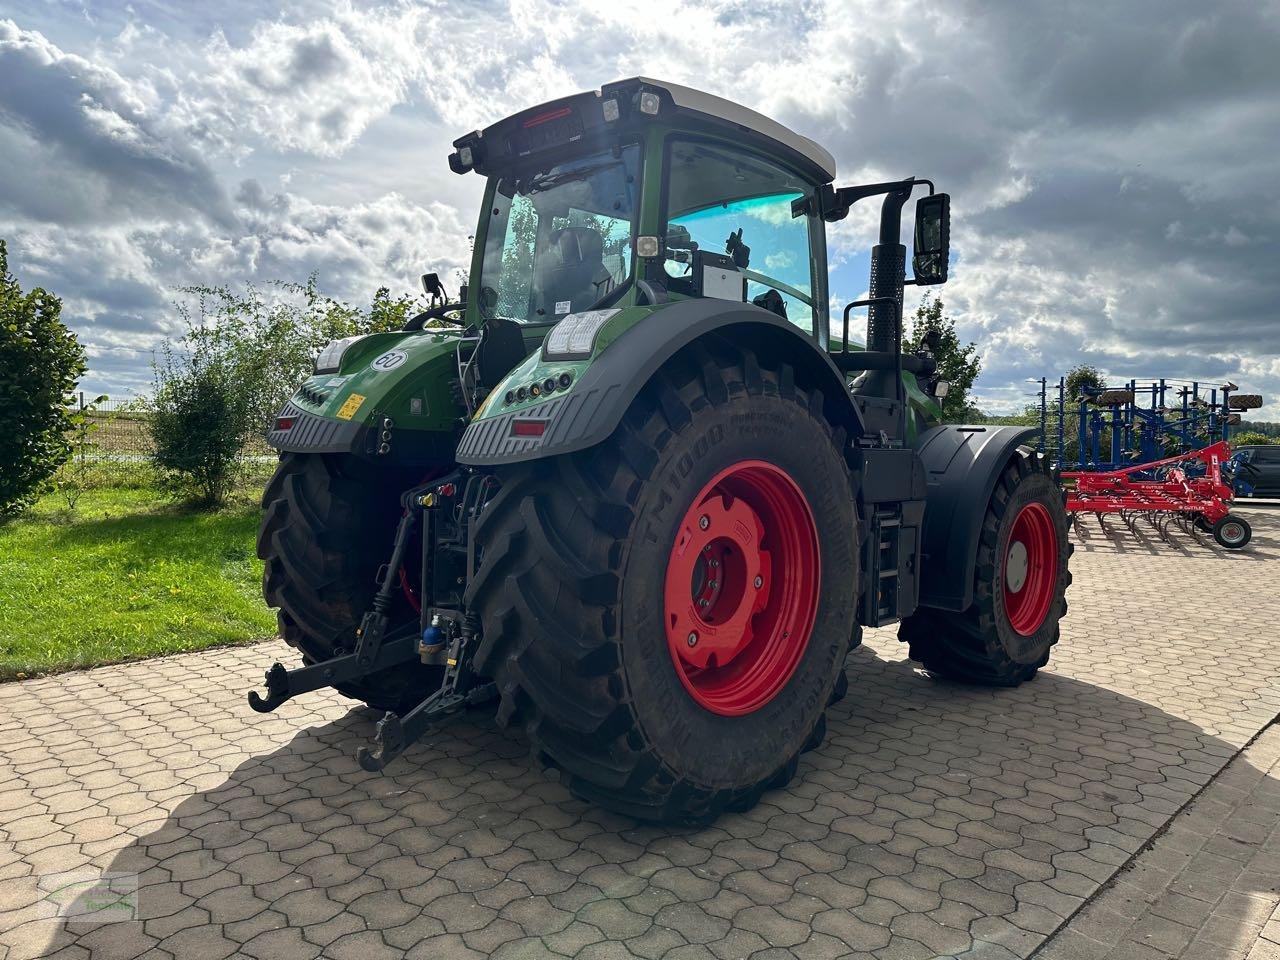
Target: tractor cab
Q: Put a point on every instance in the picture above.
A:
(641, 194)
(647, 193)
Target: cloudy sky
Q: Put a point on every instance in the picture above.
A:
(1114, 166)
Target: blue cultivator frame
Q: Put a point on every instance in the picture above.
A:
(1140, 422)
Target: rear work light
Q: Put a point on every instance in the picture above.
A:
(574, 337)
(528, 428)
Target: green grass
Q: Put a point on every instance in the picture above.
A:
(127, 574)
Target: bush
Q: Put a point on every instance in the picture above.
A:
(40, 364)
(240, 358)
(200, 422)
(1249, 438)
(269, 337)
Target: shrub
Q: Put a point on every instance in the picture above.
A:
(269, 337)
(40, 364)
(241, 357)
(1250, 438)
(200, 421)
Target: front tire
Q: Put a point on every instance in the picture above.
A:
(589, 593)
(1019, 593)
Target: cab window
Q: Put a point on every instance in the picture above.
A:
(721, 200)
(559, 238)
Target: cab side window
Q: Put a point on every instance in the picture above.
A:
(721, 200)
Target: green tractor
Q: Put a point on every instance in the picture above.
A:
(629, 488)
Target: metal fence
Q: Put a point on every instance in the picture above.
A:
(118, 437)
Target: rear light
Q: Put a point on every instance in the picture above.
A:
(528, 428)
(547, 117)
(285, 423)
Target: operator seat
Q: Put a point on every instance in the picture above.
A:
(571, 270)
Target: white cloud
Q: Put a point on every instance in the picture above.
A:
(1114, 186)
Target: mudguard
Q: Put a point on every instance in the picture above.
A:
(399, 376)
(592, 410)
(962, 465)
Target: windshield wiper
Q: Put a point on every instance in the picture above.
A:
(548, 180)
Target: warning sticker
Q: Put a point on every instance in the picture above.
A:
(563, 306)
(350, 406)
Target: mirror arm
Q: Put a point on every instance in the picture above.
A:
(833, 203)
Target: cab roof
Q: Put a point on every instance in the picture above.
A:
(726, 111)
(583, 117)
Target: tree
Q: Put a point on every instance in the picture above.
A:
(1079, 377)
(41, 362)
(958, 364)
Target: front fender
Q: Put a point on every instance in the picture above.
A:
(962, 466)
(603, 392)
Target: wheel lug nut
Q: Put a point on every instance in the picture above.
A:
(713, 584)
(703, 522)
(693, 639)
(715, 563)
(702, 602)
(759, 582)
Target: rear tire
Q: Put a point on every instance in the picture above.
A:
(328, 523)
(573, 584)
(1019, 587)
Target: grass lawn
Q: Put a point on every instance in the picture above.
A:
(127, 575)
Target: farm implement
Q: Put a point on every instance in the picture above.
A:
(1188, 489)
(1109, 428)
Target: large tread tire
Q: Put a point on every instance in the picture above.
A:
(1244, 401)
(328, 523)
(979, 645)
(569, 592)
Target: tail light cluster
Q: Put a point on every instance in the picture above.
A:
(539, 388)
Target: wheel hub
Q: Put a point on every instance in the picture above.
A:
(1030, 568)
(722, 558)
(1015, 566)
(741, 587)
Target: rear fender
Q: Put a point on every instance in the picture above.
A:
(401, 377)
(589, 412)
(962, 466)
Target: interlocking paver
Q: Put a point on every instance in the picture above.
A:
(937, 819)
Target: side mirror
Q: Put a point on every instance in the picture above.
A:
(432, 286)
(933, 239)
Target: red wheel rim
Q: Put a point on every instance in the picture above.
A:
(741, 591)
(1030, 568)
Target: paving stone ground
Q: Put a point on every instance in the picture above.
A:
(1208, 888)
(936, 820)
